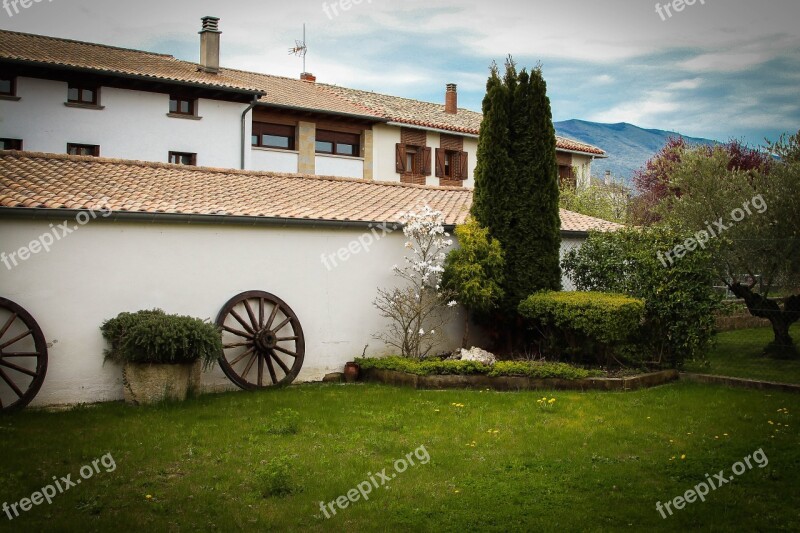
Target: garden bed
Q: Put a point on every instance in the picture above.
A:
(503, 376)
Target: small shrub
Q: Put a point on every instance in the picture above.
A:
(581, 323)
(283, 422)
(156, 337)
(274, 478)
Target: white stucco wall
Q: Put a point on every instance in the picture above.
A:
(133, 125)
(343, 167)
(108, 267)
(583, 169)
(273, 160)
(567, 244)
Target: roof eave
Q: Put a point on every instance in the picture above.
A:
(371, 118)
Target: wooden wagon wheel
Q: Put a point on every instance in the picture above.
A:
(23, 356)
(263, 343)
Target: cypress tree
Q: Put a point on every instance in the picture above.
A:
(516, 182)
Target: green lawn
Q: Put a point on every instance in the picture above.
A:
(739, 354)
(498, 461)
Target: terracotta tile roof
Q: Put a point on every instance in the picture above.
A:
(58, 181)
(101, 58)
(430, 115)
(279, 91)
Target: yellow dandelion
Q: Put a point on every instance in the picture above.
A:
(683, 457)
(716, 436)
(456, 491)
(149, 497)
(770, 422)
(725, 434)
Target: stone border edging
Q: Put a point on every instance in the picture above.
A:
(509, 383)
(739, 382)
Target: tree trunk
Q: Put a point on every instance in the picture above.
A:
(465, 340)
(780, 319)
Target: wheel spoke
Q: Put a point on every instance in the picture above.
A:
(241, 321)
(251, 315)
(277, 328)
(271, 368)
(242, 356)
(287, 352)
(237, 332)
(11, 383)
(237, 344)
(20, 354)
(279, 339)
(260, 369)
(280, 363)
(12, 366)
(271, 317)
(249, 366)
(7, 325)
(15, 339)
(260, 313)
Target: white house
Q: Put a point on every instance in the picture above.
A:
(108, 201)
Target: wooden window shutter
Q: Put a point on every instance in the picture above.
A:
(462, 167)
(400, 158)
(426, 162)
(440, 155)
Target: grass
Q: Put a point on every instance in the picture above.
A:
(739, 354)
(498, 461)
(426, 367)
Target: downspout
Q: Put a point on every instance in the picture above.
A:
(244, 126)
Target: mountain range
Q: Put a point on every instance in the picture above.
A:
(628, 147)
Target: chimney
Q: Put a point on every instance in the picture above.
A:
(209, 45)
(607, 177)
(307, 76)
(451, 99)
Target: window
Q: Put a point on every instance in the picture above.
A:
(411, 159)
(179, 105)
(338, 143)
(273, 136)
(82, 94)
(8, 86)
(183, 158)
(10, 144)
(451, 164)
(83, 149)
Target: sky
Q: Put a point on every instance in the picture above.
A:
(718, 69)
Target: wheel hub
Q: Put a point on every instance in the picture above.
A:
(266, 340)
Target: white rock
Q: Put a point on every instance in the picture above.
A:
(476, 354)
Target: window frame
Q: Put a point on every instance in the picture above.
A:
(176, 154)
(12, 80)
(178, 99)
(337, 138)
(95, 149)
(262, 129)
(95, 89)
(5, 140)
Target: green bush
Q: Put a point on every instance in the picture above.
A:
(156, 337)
(274, 478)
(680, 299)
(581, 323)
(283, 422)
(427, 367)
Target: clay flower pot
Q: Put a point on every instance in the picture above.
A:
(351, 372)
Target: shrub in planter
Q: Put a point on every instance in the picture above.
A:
(162, 354)
(583, 323)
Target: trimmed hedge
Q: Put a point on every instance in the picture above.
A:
(427, 367)
(158, 338)
(586, 322)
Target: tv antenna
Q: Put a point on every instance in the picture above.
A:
(300, 48)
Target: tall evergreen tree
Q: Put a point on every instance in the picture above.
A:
(516, 181)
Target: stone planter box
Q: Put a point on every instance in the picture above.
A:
(145, 384)
(392, 377)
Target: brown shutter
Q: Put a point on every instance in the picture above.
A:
(440, 155)
(462, 168)
(400, 158)
(426, 162)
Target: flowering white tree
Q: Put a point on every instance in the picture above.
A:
(417, 309)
